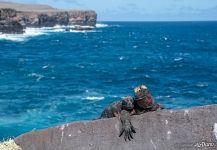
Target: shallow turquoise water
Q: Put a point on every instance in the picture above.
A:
(59, 77)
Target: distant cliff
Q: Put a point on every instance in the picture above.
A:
(191, 129)
(15, 18)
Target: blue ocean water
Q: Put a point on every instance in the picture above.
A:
(49, 77)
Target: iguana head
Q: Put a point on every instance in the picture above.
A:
(142, 97)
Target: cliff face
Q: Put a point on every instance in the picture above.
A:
(164, 130)
(7, 24)
(49, 19)
(14, 21)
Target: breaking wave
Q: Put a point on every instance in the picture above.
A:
(102, 25)
(34, 32)
(99, 25)
(94, 97)
(29, 32)
(77, 31)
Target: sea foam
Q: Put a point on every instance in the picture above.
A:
(94, 97)
(28, 33)
(102, 25)
(34, 32)
(99, 25)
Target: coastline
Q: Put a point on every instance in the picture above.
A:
(15, 18)
(31, 32)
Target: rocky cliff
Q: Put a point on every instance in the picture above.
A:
(164, 130)
(15, 20)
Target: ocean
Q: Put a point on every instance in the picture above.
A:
(49, 76)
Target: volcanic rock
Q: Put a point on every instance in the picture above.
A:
(12, 17)
(187, 129)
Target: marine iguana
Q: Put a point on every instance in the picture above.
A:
(140, 103)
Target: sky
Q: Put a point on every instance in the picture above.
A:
(140, 10)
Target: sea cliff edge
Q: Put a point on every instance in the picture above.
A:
(164, 130)
(14, 18)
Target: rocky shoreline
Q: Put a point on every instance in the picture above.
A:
(14, 21)
(194, 128)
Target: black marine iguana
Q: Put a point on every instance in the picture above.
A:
(142, 102)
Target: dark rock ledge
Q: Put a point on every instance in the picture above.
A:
(15, 18)
(187, 129)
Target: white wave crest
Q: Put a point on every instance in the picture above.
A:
(81, 31)
(94, 98)
(33, 32)
(28, 32)
(17, 38)
(37, 76)
(102, 25)
(201, 85)
(178, 59)
(99, 25)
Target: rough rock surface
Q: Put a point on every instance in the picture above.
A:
(11, 27)
(12, 17)
(188, 129)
